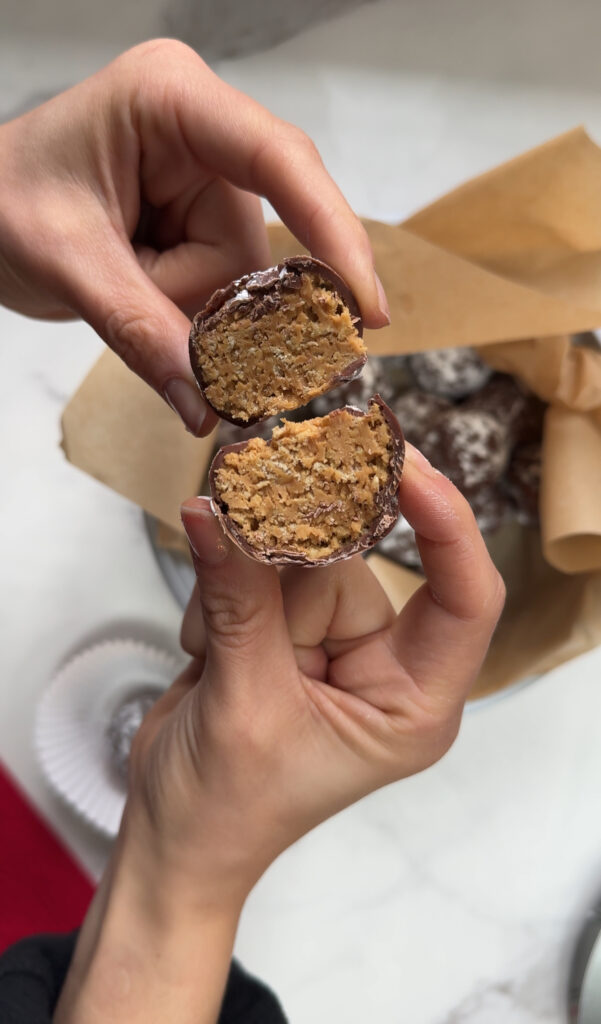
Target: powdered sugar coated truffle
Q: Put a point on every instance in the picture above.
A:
(393, 376)
(418, 412)
(469, 446)
(450, 372)
(491, 507)
(523, 482)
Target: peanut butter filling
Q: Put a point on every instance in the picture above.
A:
(313, 489)
(265, 355)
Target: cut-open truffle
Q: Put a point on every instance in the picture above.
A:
(275, 339)
(319, 491)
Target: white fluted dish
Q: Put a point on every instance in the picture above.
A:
(73, 716)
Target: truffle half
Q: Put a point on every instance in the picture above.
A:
(275, 339)
(319, 491)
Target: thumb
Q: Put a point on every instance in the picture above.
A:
(247, 638)
(109, 289)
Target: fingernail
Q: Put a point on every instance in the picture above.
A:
(205, 536)
(421, 463)
(382, 300)
(185, 399)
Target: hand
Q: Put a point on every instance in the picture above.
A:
(307, 692)
(128, 199)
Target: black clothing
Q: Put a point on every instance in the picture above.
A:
(33, 971)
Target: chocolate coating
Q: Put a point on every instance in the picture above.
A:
(512, 404)
(449, 372)
(491, 507)
(357, 392)
(419, 411)
(262, 292)
(386, 500)
(469, 446)
(393, 377)
(229, 433)
(400, 545)
(523, 483)
(529, 426)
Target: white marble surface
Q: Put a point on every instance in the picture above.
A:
(455, 896)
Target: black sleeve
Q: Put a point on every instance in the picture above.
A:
(32, 974)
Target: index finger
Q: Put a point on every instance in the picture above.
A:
(238, 139)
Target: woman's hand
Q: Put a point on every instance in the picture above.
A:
(128, 199)
(305, 693)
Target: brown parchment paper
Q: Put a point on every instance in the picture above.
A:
(510, 263)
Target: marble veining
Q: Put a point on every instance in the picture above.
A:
(454, 897)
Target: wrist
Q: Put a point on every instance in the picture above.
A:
(156, 945)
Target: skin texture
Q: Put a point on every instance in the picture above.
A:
(305, 693)
(127, 201)
(130, 198)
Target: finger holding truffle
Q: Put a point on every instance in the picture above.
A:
(462, 598)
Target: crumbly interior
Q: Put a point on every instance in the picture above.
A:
(313, 488)
(261, 361)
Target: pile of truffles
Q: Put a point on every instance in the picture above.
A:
(480, 428)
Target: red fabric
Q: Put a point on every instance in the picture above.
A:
(42, 889)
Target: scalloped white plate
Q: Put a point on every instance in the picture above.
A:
(73, 715)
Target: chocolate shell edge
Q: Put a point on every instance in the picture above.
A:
(388, 500)
(258, 283)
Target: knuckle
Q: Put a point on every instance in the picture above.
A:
(235, 622)
(192, 638)
(131, 335)
(363, 242)
(304, 142)
(159, 72)
(436, 730)
(500, 591)
(487, 601)
(163, 49)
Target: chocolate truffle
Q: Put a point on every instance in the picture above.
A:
(523, 483)
(529, 426)
(319, 491)
(400, 545)
(418, 412)
(124, 724)
(273, 340)
(491, 507)
(393, 376)
(512, 404)
(469, 446)
(450, 372)
(229, 433)
(357, 392)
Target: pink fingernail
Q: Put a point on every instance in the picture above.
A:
(382, 300)
(185, 399)
(205, 536)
